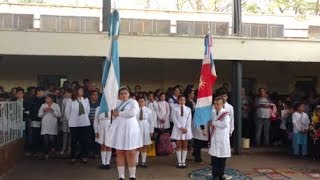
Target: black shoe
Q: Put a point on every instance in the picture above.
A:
(121, 179)
(102, 167)
(73, 161)
(184, 166)
(84, 160)
(107, 167)
(138, 165)
(198, 160)
(143, 165)
(132, 178)
(179, 166)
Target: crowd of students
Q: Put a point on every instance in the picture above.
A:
(73, 113)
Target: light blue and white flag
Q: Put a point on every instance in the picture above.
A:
(111, 70)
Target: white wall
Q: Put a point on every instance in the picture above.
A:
(76, 44)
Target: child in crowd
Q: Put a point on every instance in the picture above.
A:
(300, 121)
(49, 112)
(66, 142)
(102, 122)
(146, 121)
(181, 132)
(219, 138)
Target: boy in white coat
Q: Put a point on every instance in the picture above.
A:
(229, 108)
(219, 138)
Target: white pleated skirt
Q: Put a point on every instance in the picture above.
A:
(124, 134)
(103, 130)
(145, 132)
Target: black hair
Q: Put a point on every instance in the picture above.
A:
(19, 89)
(124, 88)
(141, 97)
(297, 105)
(262, 89)
(150, 93)
(38, 89)
(93, 91)
(75, 93)
(51, 96)
(69, 90)
(181, 96)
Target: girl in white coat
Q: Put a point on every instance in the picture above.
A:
(163, 113)
(146, 120)
(219, 138)
(125, 135)
(49, 112)
(181, 131)
(101, 126)
(66, 143)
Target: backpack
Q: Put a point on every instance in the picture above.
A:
(164, 145)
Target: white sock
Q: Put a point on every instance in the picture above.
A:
(121, 171)
(179, 156)
(108, 158)
(144, 157)
(103, 157)
(137, 157)
(184, 156)
(132, 172)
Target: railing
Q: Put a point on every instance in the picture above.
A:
(11, 121)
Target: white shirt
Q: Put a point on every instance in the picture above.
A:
(72, 113)
(229, 108)
(300, 122)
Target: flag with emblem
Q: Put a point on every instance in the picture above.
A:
(111, 70)
(208, 78)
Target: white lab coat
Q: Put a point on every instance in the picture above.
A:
(181, 122)
(153, 106)
(163, 112)
(173, 103)
(220, 135)
(49, 122)
(146, 125)
(72, 113)
(64, 119)
(101, 125)
(229, 108)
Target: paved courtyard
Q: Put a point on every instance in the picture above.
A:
(274, 162)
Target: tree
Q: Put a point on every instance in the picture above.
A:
(180, 4)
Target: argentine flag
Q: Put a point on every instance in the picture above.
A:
(208, 78)
(111, 70)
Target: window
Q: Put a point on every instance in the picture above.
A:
(144, 26)
(262, 30)
(69, 23)
(201, 28)
(16, 21)
(314, 31)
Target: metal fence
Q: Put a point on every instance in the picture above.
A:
(16, 21)
(11, 121)
(69, 23)
(144, 26)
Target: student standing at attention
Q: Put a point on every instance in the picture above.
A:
(101, 126)
(49, 112)
(219, 139)
(146, 120)
(181, 132)
(125, 135)
(77, 113)
(300, 121)
(66, 145)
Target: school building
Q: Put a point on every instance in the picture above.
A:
(41, 44)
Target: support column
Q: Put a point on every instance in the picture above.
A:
(106, 10)
(237, 81)
(236, 99)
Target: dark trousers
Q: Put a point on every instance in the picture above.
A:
(316, 148)
(94, 148)
(36, 139)
(218, 167)
(28, 135)
(49, 142)
(197, 146)
(79, 135)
